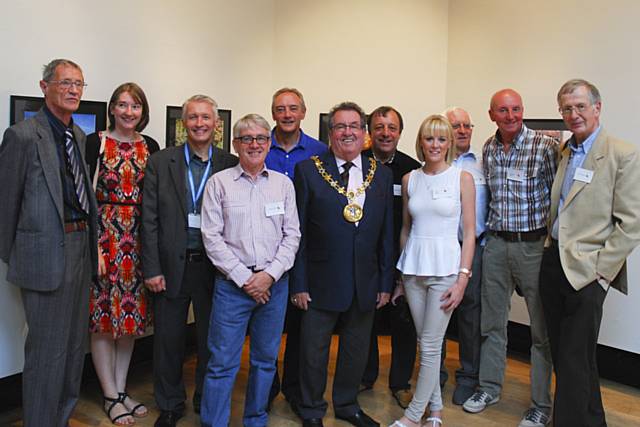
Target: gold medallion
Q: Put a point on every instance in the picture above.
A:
(352, 212)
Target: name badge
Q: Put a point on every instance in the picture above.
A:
(583, 175)
(440, 193)
(515, 175)
(194, 220)
(275, 208)
(397, 190)
(479, 180)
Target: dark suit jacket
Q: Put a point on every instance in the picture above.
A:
(32, 216)
(164, 213)
(337, 260)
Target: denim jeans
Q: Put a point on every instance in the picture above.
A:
(233, 310)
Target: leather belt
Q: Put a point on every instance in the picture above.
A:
(521, 236)
(254, 269)
(70, 227)
(195, 255)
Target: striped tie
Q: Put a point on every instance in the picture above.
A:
(75, 170)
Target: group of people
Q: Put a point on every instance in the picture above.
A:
(293, 235)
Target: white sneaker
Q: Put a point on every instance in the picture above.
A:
(479, 401)
(534, 417)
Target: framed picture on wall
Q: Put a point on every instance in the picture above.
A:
(91, 116)
(177, 133)
(323, 131)
(555, 128)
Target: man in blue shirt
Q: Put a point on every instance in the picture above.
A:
(290, 145)
(468, 312)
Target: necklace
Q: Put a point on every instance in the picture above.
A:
(352, 212)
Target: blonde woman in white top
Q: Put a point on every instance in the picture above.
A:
(435, 270)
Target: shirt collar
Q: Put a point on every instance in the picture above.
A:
(301, 140)
(517, 140)
(468, 155)
(586, 144)
(238, 172)
(357, 162)
(55, 122)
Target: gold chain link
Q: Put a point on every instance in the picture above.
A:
(350, 195)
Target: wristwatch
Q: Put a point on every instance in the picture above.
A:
(466, 271)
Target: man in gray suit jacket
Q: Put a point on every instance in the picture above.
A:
(48, 240)
(594, 223)
(174, 263)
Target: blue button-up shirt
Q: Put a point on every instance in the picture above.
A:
(471, 163)
(578, 154)
(284, 162)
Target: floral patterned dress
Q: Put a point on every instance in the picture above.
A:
(118, 301)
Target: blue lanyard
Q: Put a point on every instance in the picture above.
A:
(196, 196)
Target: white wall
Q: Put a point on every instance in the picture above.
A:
(373, 52)
(534, 47)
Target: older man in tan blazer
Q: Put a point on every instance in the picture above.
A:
(595, 204)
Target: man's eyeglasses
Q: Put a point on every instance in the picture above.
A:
(568, 110)
(462, 125)
(341, 127)
(66, 84)
(260, 139)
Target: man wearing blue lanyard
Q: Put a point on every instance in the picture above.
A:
(468, 312)
(175, 266)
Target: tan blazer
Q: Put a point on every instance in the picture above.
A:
(599, 221)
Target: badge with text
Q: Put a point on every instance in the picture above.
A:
(583, 175)
(397, 190)
(517, 175)
(194, 220)
(274, 208)
(479, 180)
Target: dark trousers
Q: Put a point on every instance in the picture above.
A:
(354, 329)
(170, 330)
(56, 342)
(403, 346)
(468, 318)
(290, 385)
(573, 323)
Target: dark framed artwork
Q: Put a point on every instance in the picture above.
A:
(177, 133)
(91, 116)
(555, 128)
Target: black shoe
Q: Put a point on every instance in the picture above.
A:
(462, 393)
(312, 422)
(197, 398)
(168, 419)
(360, 419)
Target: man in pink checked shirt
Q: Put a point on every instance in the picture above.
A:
(251, 233)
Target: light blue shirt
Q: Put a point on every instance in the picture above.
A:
(471, 163)
(578, 154)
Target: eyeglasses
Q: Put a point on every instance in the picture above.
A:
(568, 110)
(462, 125)
(124, 106)
(260, 139)
(341, 127)
(66, 84)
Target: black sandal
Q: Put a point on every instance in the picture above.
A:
(123, 396)
(113, 402)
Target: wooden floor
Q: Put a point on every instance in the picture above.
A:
(622, 403)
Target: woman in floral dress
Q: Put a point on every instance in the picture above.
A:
(118, 301)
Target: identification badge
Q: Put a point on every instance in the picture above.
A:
(515, 175)
(479, 180)
(440, 193)
(397, 190)
(275, 208)
(583, 175)
(194, 220)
